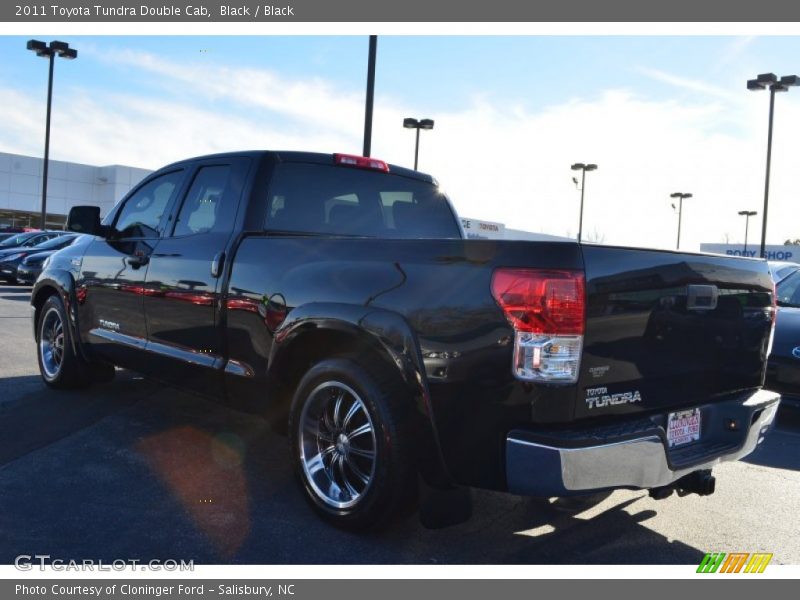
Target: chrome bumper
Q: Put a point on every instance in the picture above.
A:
(638, 458)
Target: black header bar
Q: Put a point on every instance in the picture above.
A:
(465, 11)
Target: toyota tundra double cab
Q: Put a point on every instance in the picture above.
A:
(337, 295)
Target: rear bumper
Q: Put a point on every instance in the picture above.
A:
(634, 455)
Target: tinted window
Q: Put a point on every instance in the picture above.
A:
(789, 290)
(340, 200)
(38, 239)
(142, 212)
(55, 243)
(784, 272)
(207, 207)
(15, 240)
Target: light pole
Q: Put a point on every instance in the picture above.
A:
(583, 168)
(775, 85)
(410, 123)
(681, 196)
(50, 52)
(373, 51)
(746, 214)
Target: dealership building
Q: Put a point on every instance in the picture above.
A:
(68, 184)
(773, 252)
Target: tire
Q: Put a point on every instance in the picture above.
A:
(59, 365)
(356, 466)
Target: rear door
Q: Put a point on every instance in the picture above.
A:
(183, 285)
(667, 329)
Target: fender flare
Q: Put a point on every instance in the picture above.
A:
(389, 334)
(62, 282)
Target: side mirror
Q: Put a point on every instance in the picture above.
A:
(84, 219)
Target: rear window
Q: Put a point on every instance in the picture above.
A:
(57, 242)
(789, 290)
(15, 240)
(310, 198)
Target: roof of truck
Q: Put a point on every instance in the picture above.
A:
(298, 156)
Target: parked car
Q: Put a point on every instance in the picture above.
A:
(26, 239)
(16, 249)
(24, 266)
(780, 270)
(337, 296)
(783, 372)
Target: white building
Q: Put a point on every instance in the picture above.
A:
(479, 229)
(68, 184)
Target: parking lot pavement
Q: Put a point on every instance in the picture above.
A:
(135, 470)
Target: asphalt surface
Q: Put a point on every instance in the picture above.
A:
(136, 470)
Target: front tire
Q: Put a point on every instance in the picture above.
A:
(351, 444)
(59, 365)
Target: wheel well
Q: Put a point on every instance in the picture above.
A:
(311, 347)
(38, 302)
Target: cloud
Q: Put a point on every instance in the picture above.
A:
(684, 83)
(507, 163)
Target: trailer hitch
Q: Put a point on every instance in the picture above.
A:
(701, 482)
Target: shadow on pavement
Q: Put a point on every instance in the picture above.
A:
(142, 471)
(38, 416)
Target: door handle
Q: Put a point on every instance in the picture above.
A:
(137, 261)
(216, 264)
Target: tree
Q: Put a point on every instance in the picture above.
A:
(596, 237)
(795, 242)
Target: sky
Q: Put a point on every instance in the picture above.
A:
(657, 114)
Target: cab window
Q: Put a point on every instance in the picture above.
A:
(142, 214)
(208, 205)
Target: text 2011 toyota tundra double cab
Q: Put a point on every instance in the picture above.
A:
(336, 294)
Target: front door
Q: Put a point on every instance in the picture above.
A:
(110, 290)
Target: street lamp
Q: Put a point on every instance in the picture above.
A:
(583, 168)
(417, 124)
(775, 85)
(746, 214)
(50, 51)
(682, 196)
(370, 100)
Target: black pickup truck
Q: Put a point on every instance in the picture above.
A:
(337, 295)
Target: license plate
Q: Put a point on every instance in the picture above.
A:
(683, 427)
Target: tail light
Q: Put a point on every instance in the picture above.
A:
(361, 162)
(547, 309)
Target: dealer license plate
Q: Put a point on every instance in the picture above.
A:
(683, 427)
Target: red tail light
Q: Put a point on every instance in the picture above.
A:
(546, 309)
(541, 301)
(361, 162)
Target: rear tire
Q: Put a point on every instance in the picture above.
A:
(351, 444)
(59, 365)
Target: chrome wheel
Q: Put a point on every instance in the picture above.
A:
(51, 343)
(337, 444)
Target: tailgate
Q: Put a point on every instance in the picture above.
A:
(667, 329)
